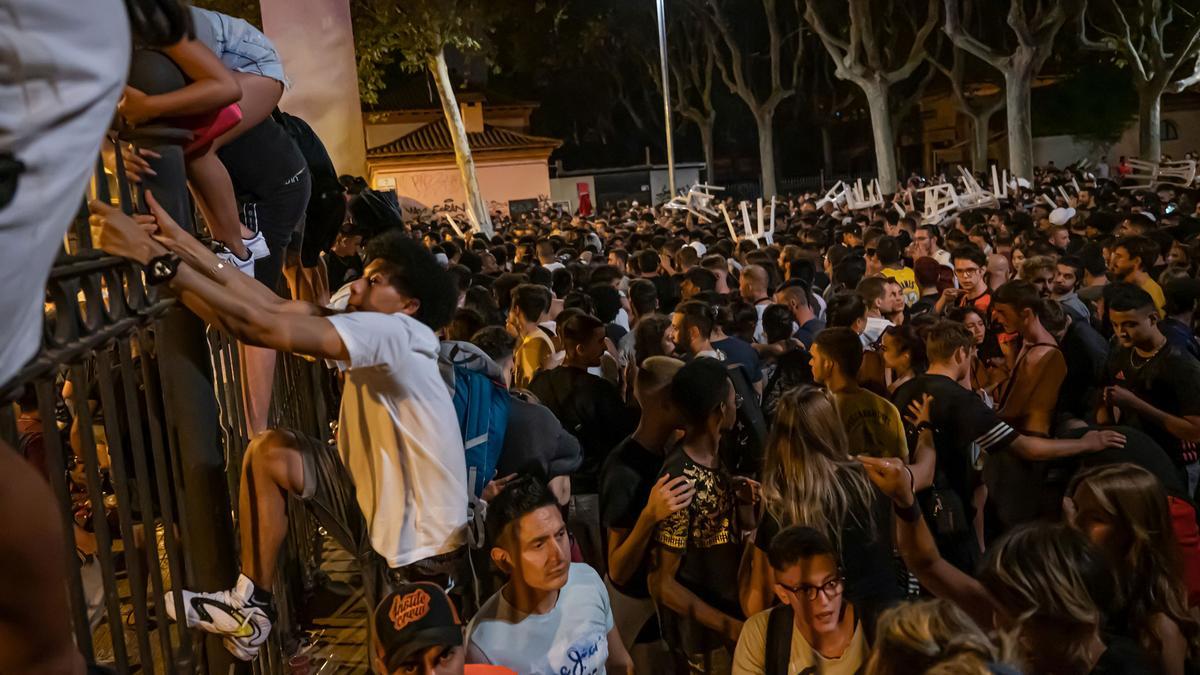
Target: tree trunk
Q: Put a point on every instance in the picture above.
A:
(462, 150)
(706, 140)
(885, 137)
(979, 141)
(827, 149)
(1149, 122)
(1018, 87)
(766, 151)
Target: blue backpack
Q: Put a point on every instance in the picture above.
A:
(481, 402)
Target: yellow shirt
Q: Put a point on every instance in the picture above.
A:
(908, 283)
(750, 657)
(873, 425)
(1160, 301)
(531, 357)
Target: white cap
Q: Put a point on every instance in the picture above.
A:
(1021, 182)
(1061, 216)
(700, 248)
(442, 259)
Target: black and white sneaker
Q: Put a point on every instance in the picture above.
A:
(232, 614)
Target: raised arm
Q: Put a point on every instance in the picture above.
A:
(919, 550)
(220, 294)
(211, 87)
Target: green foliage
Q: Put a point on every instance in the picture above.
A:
(1097, 102)
(410, 33)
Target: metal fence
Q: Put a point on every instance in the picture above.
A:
(134, 413)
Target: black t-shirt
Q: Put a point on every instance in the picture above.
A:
(706, 537)
(1169, 381)
(628, 475)
(245, 158)
(791, 370)
(965, 428)
(342, 270)
(1180, 336)
(738, 351)
(591, 409)
(1086, 352)
(614, 332)
(872, 578)
(1139, 449)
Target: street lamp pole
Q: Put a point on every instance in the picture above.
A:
(662, 51)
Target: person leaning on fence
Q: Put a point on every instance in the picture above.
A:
(396, 422)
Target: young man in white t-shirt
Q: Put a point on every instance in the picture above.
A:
(395, 486)
(552, 616)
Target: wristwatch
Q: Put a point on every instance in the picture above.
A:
(162, 269)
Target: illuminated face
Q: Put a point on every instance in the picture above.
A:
(974, 323)
(374, 292)
(1018, 258)
(1177, 256)
(537, 554)
(813, 587)
(438, 660)
(893, 300)
(1121, 264)
(970, 275)
(1065, 279)
(822, 367)
(1042, 280)
(679, 333)
(1135, 327)
(1009, 317)
(1060, 239)
(923, 242)
(894, 355)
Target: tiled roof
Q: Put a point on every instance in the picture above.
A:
(434, 139)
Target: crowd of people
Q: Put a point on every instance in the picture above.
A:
(876, 443)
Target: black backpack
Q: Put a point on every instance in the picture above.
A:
(327, 206)
(743, 446)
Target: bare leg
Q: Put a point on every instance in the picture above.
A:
(258, 366)
(207, 175)
(213, 188)
(272, 468)
(35, 626)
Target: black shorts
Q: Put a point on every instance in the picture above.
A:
(280, 218)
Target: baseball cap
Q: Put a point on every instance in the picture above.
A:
(1061, 216)
(412, 619)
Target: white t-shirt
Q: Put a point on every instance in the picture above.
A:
(875, 327)
(571, 638)
(750, 656)
(398, 436)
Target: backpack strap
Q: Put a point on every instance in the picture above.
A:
(779, 641)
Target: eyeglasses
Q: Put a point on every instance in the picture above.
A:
(830, 589)
(970, 271)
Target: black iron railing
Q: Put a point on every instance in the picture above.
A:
(134, 413)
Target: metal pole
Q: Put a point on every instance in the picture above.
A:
(662, 51)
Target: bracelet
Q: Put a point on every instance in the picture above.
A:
(909, 514)
(922, 426)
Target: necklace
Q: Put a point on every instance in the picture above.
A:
(1133, 355)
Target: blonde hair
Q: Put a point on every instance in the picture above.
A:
(933, 636)
(1054, 586)
(808, 475)
(1151, 569)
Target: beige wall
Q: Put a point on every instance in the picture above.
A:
(500, 182)
(315, 40)
(382, 134)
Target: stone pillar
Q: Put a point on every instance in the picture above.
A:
(316, 41)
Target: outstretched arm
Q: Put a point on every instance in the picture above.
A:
(211, 87)
(220, 295)
(918, 549)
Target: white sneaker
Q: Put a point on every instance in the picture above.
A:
(257, 246)
(244, 625)
(244, 266)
